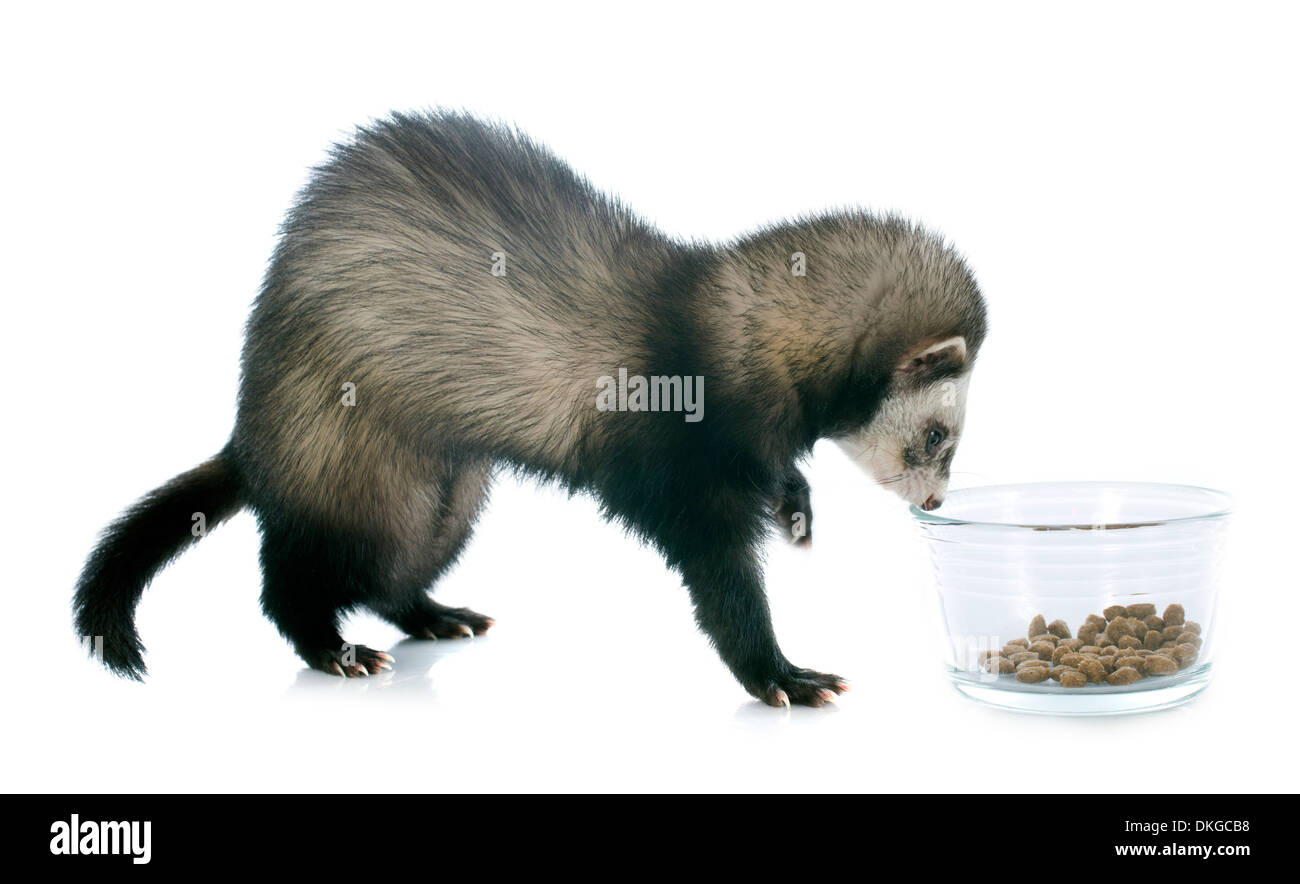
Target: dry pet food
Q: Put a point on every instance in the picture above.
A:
(1122, 645)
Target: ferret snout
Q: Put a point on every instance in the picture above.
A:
(933, 502)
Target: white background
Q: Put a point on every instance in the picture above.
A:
(1122, 178)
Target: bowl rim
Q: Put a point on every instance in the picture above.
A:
(1222, 512)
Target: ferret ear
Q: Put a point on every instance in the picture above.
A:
(931, 356)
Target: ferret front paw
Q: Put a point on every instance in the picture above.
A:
(443, 622)
(802, 687)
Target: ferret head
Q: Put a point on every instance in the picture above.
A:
(909, 443)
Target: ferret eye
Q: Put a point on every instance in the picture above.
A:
(933, 441)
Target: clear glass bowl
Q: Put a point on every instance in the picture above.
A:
(1005, 553)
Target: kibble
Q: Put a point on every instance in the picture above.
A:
(1096, 672)
(1117, 629)
(1123, 645)
(1037, 626)
(1059, 628)
(1032, 674)
(1122, 675)
(1073, 678)
(1159, 664)
(1043, 649)
(999, 666)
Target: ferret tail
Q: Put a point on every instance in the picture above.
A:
(145, 538)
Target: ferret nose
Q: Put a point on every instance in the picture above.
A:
(931, 503)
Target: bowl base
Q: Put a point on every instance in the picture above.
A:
(1148, 695)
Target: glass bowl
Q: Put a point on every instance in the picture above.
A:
(1003, 554)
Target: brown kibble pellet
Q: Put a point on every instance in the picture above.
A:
(1192, 626)
(1032, 674)
(1122, 675)
(1108, 662)
(1113, 612)
(1095, 620)
(999, 666)
(1072, 660)
(1153, 639)
(1088, 633)
(1174, 615)
(1094, 670)
(1072, 644)
(1022, 642)
(1032, 664)
(1058, 654)
(1136, 662)
(1022, 657)
(1165, 646)
(1095, 650)
(1184, 651)
(1172, 632)
(1110, 650)
(1044, 637)
(1060, 629)
(1143, 652)
(1189, 638)
(1159, 664)
(1037, 626)
(1140, 610)
(1116, 629)
(1043, 649)
(1073, 678)
(1153, 622)
(1128, 643)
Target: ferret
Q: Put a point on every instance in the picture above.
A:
(448, 298)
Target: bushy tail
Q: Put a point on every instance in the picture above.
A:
(155, 530)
